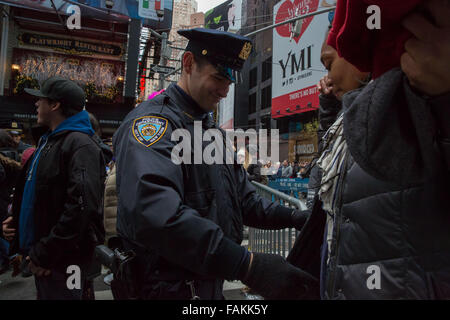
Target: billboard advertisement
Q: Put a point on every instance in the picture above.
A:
(296, 68)
(155, 14)
(225, 17)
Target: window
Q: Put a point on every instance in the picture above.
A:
(253, 77)
(266, 97)
(265, 123)
(267, 69)
(251, 124)
(252, 103)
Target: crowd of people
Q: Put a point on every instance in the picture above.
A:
(9, 170)
(263, 171)
(52, 212)
(378, 190)
(285, 169)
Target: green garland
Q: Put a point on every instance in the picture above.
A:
(90, 89)
(93, 94)
(23, 82)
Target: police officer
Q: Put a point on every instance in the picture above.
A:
(185, 221)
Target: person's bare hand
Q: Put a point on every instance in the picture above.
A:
(38, 271)
(426, 61)
(325, 86)
(8, 232)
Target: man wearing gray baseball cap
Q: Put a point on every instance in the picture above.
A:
(57, 210)
(70, 96)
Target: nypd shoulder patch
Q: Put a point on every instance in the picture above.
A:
(149, 130)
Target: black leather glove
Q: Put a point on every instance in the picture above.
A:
(272, 277)
(299, 218)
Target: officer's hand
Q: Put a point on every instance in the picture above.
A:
(8, 232)
(272, 277)
(426, 61)
(299, 218)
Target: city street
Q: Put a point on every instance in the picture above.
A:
(20, 288)
(298, 148)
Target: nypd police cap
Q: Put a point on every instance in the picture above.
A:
(226, 51)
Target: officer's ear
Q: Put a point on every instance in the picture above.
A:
(188, 62)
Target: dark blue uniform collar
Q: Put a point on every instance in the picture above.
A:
(186, 102)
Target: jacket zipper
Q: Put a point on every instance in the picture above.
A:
(337, 227)
(40, 151)
(82, 195)
(30, 174)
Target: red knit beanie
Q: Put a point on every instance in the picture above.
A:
(375, 51)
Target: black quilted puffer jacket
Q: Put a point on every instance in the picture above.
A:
(391, 234)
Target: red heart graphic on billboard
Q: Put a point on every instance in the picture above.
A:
(289, 10)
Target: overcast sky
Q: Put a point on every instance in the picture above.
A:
(205, 5)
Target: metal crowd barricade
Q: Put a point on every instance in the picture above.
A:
(274, 241)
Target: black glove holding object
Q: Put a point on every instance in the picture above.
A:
(271, 276)
(298, 218)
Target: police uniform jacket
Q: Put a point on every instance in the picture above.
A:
(189, 217)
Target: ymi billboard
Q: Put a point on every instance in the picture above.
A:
(296, 68)
(225, 17)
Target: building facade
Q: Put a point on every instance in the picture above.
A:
(183, 9)
(197, 20)
(253, 98)
(37, 45)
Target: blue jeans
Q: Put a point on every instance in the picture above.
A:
(4, 248)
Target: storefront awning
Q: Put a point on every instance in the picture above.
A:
(120, 11)
(23, 108)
